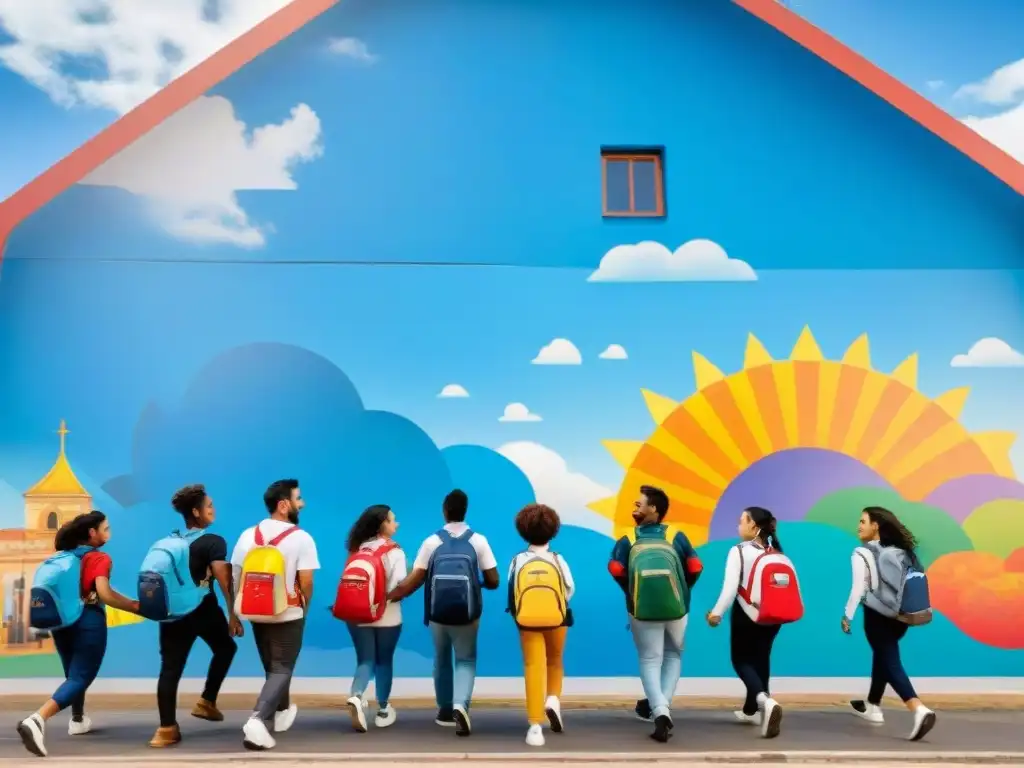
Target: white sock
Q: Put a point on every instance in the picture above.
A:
(761, 699)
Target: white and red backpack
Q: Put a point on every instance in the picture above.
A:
(772, 589)
(363, 589)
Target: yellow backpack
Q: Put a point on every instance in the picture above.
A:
(538, 595)
(262, 593)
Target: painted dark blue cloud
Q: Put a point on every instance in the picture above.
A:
(265, 411)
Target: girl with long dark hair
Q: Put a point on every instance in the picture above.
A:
(750, 643)
(82, 645)
(375, 643)
(878, 529)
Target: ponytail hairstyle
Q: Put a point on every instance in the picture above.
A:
(75, 533)
(891, 532)
(766, 524)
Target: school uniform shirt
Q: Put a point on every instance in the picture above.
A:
(484, 556)
(395, 568)
(737, 571)
(865, 579)
(95, 564)
(298, 550)
(544, 553)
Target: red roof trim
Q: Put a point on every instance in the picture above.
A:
(905, 99)
(297, 14)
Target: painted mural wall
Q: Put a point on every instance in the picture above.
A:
(391, 264)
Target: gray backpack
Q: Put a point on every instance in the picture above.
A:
(893, 597)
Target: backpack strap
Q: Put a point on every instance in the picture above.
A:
(257, 536)
(746, 591)
(282, 536)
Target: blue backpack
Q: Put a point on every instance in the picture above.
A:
(902, 591)
(453, 595)
(166, 589)
(55, 601)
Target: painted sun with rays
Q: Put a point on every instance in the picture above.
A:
(732, 421)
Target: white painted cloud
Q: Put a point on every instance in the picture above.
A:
(554, 484)
(191, 166)
(453, 390)
(1002, 88)
(989, 352)
(614, 352)
(115, 54)
(518, 412)
(1004, 129)
(558, 352)
(351, 48)
(648, 261)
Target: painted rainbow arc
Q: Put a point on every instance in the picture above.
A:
(703, 443)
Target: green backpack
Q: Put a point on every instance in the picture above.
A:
(656, 582)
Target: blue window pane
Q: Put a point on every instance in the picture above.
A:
(645, 192)
(616, 181)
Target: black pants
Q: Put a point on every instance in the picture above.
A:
(278, 646)
(176, 641)
(884, 635)
(750, 647)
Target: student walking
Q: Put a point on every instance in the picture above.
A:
(540, 587)
(752, 625)
(450, 563)
(656, 575)
(886, 569)
(273, 564)
(69, 592)
(207, 560)
(376, 565)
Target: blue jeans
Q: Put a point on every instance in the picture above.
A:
(375, 657)
(81, 648)
(454, 686)
(660, 647)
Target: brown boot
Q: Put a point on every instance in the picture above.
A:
(207, 710)
(166, 737)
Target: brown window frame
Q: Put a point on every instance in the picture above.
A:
(611, 155)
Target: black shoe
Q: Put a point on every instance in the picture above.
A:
(445, 717)
(662, 728)
(643, 709)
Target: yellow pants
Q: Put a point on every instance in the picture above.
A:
(542, 669)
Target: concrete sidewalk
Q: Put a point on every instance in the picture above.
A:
(591, 735)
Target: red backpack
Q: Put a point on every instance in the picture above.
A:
(363, 589)
(772, 589)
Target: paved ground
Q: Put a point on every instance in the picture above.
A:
(125, 734)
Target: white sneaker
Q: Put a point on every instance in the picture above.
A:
(871, 713)
(771, 718)
(79, 727)
(285, 719)
(535, 736)
(463, 725)
(553, 709)
(33, 735)
(357, 711)
(256, 736)
(385, 716)
(743, 717)
(924, 721)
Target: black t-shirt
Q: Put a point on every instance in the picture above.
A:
(202, 553)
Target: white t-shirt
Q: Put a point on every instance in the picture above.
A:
(395, 568)
(737, 566)
(484, 556)
(298, 549)
(543, 552)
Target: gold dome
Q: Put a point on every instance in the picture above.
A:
(60, 480)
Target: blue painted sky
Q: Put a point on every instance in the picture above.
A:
(934, 47)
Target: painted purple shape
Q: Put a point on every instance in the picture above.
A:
(963, 495)
(789, 483)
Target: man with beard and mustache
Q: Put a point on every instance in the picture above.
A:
(278, 637)
(660, 573)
